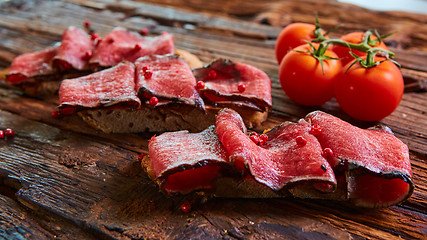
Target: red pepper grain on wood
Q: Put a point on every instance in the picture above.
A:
(1, 134)
(87, 23)
(186, 207)
(9, 133)
(144, 31)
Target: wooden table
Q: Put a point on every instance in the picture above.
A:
(61, 179)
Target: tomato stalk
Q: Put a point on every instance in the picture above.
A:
(364, 46)
(319, 53)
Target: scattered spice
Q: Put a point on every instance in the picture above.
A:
(87, 55)
(9, 133)
(94, 36)
(153, 101)
(110, 40)
(241, 88)
(315, 129)
(254, 137)
(201, 85)
(212, 74)
(327, 153)
(87, 23)
(144, 31)
(301, 141)
(148, 74)
(137, 47)
(186, 207)
(146, 68)
(263, 137)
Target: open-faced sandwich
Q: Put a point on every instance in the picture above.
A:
(320, 156)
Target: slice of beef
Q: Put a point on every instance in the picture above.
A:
(375, 163)
(168, 78)
(222, 80)
(121, 44)
(105, 88)
(182, 162)
(283, 160)
(30, 65)
(75, 50)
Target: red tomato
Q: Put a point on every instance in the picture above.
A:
(293, 36)
(302, 78)
(356, 38)
(369, 94)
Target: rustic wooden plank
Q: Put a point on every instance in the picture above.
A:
(112, 199)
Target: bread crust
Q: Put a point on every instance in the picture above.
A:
(169, 117)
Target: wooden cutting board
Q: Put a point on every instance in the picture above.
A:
(61, 179)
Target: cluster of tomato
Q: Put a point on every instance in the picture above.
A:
(356, 69)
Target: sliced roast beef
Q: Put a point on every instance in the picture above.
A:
(167, 77)
(121, 44)
(282, 159)
(375, 162)
(227, 82)
(105, 88)
(75, 50)
(183, 162)
(30, 65)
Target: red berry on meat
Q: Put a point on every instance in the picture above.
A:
(137, 47)
(148, 74)
(241, 87)
(212, 74)
(94, 36)
(315, 129)
(146, 68)
(153, 101)
(254, 138)
(300, 141)
(201, 85)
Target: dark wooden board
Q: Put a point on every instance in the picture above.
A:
(61, 179)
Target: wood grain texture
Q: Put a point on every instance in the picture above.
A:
(61, 178)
